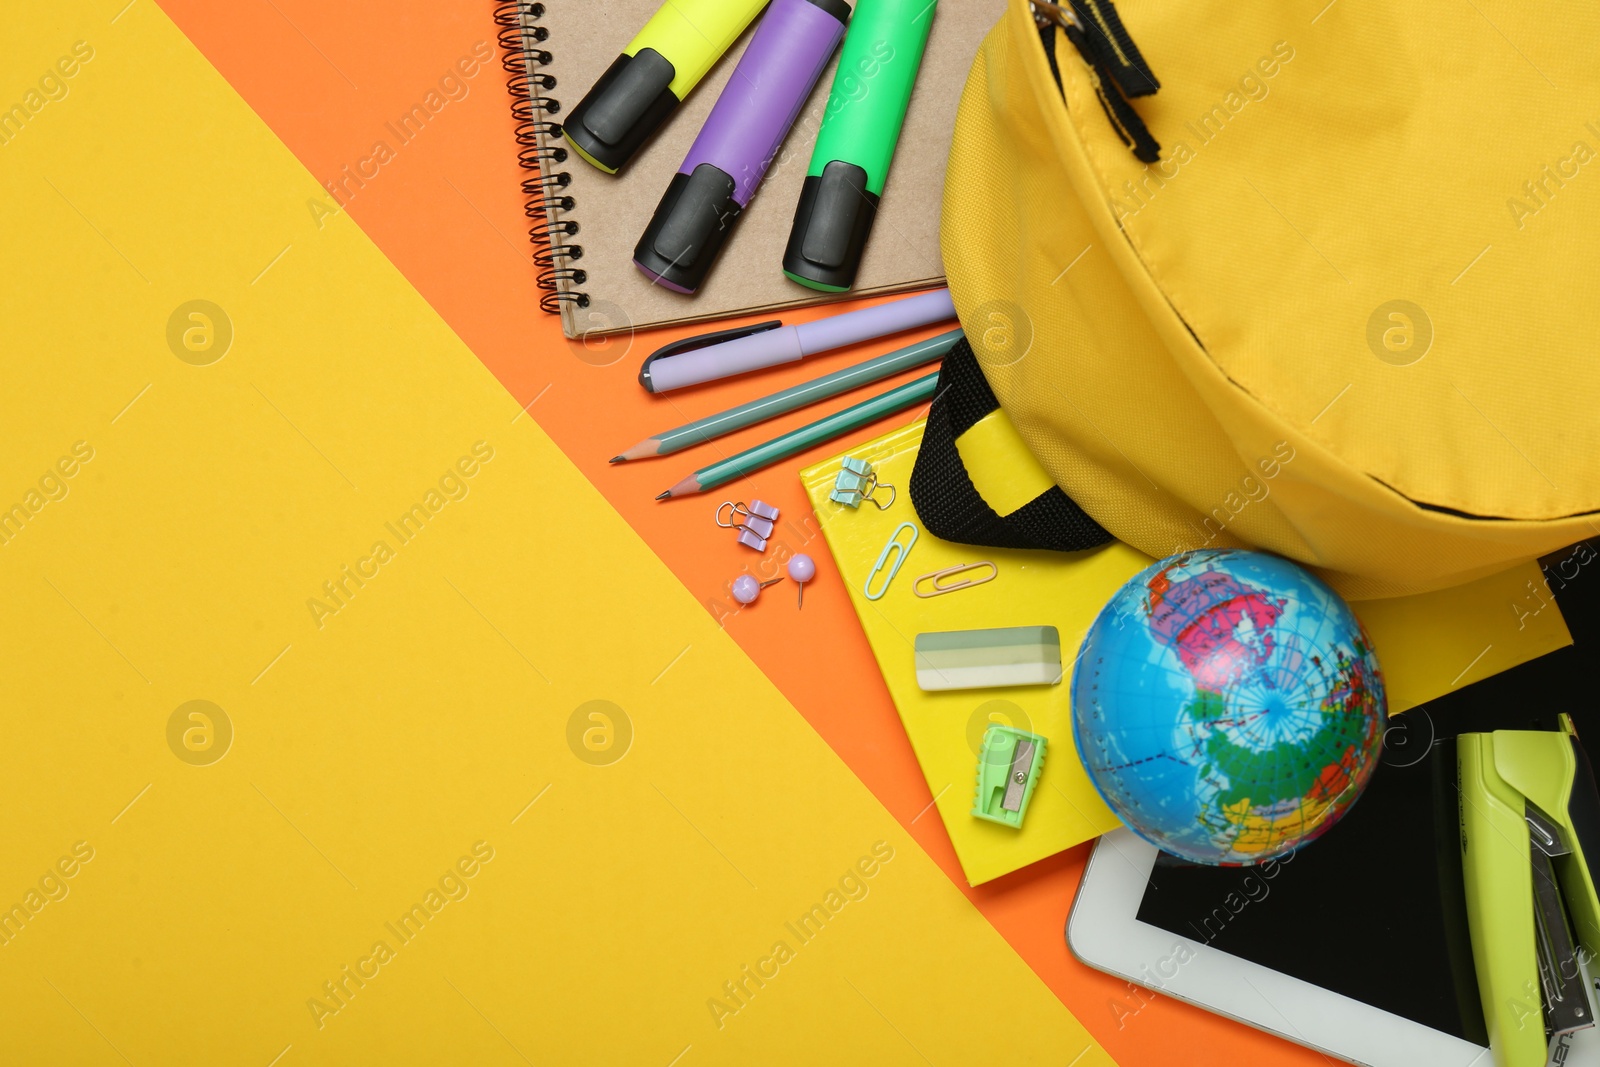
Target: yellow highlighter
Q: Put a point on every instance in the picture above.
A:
(657, 71)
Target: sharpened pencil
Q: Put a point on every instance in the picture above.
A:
(780, 448)
(770, 407)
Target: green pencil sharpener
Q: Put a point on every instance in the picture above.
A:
(1008, 769)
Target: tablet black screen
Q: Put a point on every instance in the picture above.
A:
(1374, 909)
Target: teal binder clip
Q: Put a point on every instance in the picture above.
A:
(899, 550)
(851, 485)
(857, 481)
(1008, 770)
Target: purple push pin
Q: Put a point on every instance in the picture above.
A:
(802, 569)
(746, 590)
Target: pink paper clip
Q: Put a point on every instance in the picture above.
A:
(938, 585)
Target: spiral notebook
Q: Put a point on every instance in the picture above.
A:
(585, 223)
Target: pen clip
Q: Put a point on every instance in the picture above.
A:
(704, 340)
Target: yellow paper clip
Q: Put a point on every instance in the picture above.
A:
(900, 549)
(939, 586)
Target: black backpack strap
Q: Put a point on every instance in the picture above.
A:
(946, 499)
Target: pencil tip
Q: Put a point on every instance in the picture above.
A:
(665, 495)
(619, 459)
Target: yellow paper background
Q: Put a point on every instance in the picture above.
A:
(1428, 645)
(373, 747)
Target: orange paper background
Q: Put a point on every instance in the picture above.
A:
(448, 212)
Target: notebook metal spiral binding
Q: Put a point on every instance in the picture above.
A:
(523, 54)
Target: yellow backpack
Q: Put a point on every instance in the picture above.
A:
(1345, 312)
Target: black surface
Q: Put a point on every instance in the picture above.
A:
(831, 225)
(1375, 908)
(689, 227)
(1583, 808)
(627, 105)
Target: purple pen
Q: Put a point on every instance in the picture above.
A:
(770, 347)
(724, 167)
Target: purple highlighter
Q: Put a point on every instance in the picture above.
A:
(793, 44)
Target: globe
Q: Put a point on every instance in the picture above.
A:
(1228, 706)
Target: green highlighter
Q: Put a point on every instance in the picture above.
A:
(860, 128)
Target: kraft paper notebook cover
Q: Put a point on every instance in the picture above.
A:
(1428, 645)
(580, 39)
(331, 733)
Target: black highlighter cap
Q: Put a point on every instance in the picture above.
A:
(626, 106)
(831, 226)
(837, 8)
(688, 229)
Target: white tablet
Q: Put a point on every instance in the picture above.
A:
(1106, 933)
(1356, 946)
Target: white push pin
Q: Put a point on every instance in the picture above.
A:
(746, 590)
(802, 569)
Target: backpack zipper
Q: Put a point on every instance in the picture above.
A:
(1117, 67)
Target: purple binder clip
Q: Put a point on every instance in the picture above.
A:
(755, 522)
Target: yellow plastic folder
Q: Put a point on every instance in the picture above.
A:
(344, 722)
(1428, 645)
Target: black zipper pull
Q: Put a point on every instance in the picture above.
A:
(1119, 69)
(1103, 26)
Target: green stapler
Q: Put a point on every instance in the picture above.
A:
(1530, 840)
